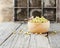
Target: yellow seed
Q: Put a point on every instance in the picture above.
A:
(38, 20)
(28, 33)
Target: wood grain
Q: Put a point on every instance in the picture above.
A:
(26, 41)
(6, 29)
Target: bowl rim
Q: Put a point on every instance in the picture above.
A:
(39, 22)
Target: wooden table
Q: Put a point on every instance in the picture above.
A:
(13, 35)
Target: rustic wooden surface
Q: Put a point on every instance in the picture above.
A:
(19, 38)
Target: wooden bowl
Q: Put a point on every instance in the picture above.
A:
(39, 27)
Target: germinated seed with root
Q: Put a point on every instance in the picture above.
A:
(54, 32)
(20, 31)
(14, 32)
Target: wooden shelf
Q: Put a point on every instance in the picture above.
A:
(20, 7)
(50, 7)
(35, 7)
(26, 7)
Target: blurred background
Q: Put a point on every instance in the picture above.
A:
(18, 10)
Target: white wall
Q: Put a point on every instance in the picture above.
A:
(6, 10)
